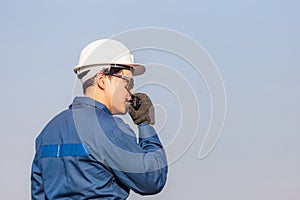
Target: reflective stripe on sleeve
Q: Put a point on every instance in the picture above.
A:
(60, 150)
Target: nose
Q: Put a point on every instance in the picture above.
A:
(128, 96)
(129, 93)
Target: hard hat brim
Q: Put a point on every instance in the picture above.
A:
(138, 69)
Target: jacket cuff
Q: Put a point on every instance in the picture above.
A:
(146, 130)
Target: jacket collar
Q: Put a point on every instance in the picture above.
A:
(87, 101)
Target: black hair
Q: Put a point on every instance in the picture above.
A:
(88, 83)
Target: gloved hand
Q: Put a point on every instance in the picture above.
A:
(146, 111)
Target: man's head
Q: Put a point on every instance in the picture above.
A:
(106, 71)
(110, 88)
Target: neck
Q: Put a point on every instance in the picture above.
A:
(94, 93)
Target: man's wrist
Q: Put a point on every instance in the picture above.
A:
(146, 130)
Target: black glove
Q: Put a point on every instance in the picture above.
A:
(145, 113)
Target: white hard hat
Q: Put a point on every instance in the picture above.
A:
(101, 54)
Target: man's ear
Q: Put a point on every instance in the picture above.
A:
(100, 80)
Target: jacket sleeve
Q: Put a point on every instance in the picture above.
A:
(141, 166)
(145, 171)
(37, 192)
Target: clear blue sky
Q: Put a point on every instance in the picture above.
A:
(255, 45)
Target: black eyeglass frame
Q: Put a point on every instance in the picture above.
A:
(110, 70)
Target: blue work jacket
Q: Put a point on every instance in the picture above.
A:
(86, 153)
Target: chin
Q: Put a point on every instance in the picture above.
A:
(120, 111)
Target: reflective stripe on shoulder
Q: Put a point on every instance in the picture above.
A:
(60, 150)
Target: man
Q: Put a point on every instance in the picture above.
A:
(87, 153)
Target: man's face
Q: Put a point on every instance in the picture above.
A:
(119, 94)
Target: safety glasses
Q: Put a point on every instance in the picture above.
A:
(130, 82)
